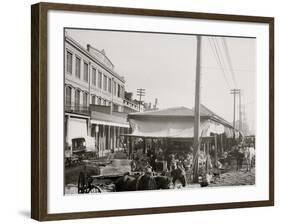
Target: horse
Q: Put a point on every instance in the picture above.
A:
(134, 183)
(236, 154)
(162, 182)
(249, 154)
(142, 182)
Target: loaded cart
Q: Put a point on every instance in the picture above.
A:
(99, 176)
(117, 175)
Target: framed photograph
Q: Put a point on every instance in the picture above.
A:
(141, 111)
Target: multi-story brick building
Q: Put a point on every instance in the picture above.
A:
(94, 98)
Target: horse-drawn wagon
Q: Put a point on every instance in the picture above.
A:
(117, 175)
(99, 176)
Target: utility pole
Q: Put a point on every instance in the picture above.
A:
(240, 112)
(234, 92)
(244, 125)
(196, 143)
(140, 93)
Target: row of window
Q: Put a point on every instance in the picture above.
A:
(94, 99)
(69, 60)
(98, 79)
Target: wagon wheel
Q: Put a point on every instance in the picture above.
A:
(94, 189)
(91, 187)
(81, 183)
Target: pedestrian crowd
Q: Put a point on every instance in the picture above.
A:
(210, 163)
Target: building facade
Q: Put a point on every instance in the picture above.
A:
(94, 98)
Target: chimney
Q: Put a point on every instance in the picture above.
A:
(155, 104)
(128, 95)
(88, 47)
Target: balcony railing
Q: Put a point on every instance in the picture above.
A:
(77, 109)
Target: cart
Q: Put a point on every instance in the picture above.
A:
(99, 176)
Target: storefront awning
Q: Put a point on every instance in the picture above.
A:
(109, 123)
(113, 119)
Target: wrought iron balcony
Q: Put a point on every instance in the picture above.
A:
(77, 109)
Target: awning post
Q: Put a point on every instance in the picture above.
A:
(143, 146)
(130, 146)
(216, 150)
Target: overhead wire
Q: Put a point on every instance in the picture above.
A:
(222, 58)
(218, 60)
(225, 47)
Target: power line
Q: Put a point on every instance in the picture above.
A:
(224, 44)
(215, 53)
(238, 70)
(220, 54)
(226, 61)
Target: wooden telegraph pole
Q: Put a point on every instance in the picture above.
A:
(196, 143)
(240, 112)
(140, 93)
(235, 92)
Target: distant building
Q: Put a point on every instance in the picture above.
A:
(132, 105)
(147, 106)
(94, 98)
(150, 107)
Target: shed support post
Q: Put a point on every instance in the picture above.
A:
(216, 150)
(143, 146)
(208, 155)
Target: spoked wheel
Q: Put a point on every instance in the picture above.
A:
(85, 185)
(94, 189)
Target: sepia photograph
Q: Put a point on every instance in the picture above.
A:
(157, 111)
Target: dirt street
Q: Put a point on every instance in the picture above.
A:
(235, 178)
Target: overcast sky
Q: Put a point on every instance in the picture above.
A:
(164, 65)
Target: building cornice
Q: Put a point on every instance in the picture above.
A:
(84, 51)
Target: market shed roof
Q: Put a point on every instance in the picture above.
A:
(181, 112)
(173, 111)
